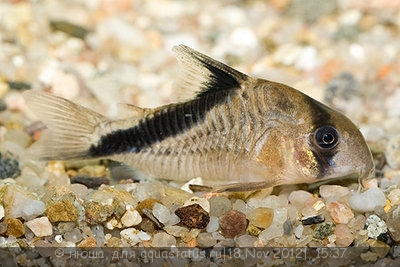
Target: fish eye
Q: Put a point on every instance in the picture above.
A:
(326, 137)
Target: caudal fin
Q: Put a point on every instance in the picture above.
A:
(72, 129)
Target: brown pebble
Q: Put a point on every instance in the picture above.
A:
(340, 212)
(89, 242)
(147, 225)
(233, 223)
(62, 211)
(114, 242)
(393, 218)
(193, 216)
(14, 227)
(146, 204)
(97, 213)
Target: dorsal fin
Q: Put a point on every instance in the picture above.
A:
(201, 74)
(131, 111)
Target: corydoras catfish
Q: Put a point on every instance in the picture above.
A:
(246, 133)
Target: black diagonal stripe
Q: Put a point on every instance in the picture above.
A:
(164, 123)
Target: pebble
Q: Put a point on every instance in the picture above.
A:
(131, 218)
(130, 236)
(9, 168)
(40, 226)
(298, 198)
(368, 200)
(240, 205)
(97, 213)
(393, 152)
(375, 226)
(344, 235)
(203, 202)
(149, 190)
(80, 190)
(323, 230)
(298, 231)
(333, 191)
(19, 137)
(213, 224)
(114, 242)
(62, 211)
(1, 212)
(206, 240)
(162, 239)
(147, 225)
(193, 216)
(33, 209)
(115, 197)
(273, 231)
(14, 199)
(378, 247)
(261, 217)
(219, 205)
(175, 230)
(394, 196)
(161, 212)
(340, 212)
(313, 220)
(89, 242)
(233, 223)
(369, 256)
(146, 204)
(14, 227)
(246, 241)
(98, 234)
(74, 236)
(392, 222)
(88, 181)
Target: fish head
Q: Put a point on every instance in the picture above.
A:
(328, 145)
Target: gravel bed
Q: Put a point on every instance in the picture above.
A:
(100, 53)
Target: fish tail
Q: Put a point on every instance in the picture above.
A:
(72, 129)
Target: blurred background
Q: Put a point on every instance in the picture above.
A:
(100, 52)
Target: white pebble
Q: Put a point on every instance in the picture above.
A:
(161, 212)
(246, 241)
(173, 219)
(131, 218)
(298, 198)
(203, 202)
(73, 236)
(337, 191)
(368, 200)
(298, 232)
(213, 224)
(280, 216)
(271, 232)
(130, 236)
(375, 226)
(162, 239)
(58, 238)
(393, 152)
(32, 209)
(144, 236)
(40, 226)
(1, 212)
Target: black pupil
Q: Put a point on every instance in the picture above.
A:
(326, 137)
